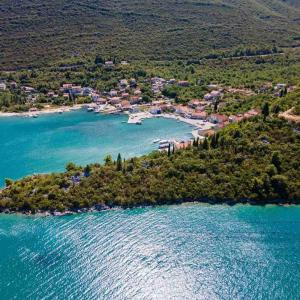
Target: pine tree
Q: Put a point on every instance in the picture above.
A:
(108, 160)
(205, 144)
(265, 110)
(276, 161)
(213, 142)
(119, 162)
(169, 150)
(87, 171)
(124, 166)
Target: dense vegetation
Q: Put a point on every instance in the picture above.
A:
(35, 33)
(253, 161)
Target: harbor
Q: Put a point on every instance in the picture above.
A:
(197, 126)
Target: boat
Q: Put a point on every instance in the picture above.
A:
(138, 122)
(164, 141)
(89, 109)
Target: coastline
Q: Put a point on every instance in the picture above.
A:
(137, 118)
(49, 110)
(103, 207)
(133, 118)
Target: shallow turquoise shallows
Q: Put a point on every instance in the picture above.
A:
(47, 143)
(170, 252)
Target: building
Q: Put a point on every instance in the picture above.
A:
(199, 115)
(213, 96)
(123, 82)
(212, 86)
(113, 93)
(125, 95)
(183, 83)
(109, 63)
(207, 133)
(95, 97)
(50, 94)
(125, 105)
(2, 86)
(76, 90)
(115, 100)
(135, 100)
(137, 93)
(237, 118)
(194, 103)
(132, 82)
(87, 91)
(183, 111)
(28, 89)
(279, 86)
(182, 144)
(134, 109)
(155, 110)
(251, 113)
(217, 118)
(167, 108)
(101, 100)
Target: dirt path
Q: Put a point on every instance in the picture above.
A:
(288, 115)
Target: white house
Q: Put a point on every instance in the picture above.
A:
(2, 86)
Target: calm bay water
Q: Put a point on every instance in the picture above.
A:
(169, 252)
(47, 143)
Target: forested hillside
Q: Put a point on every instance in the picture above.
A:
(34, 32)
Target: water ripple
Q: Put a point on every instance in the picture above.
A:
(172, 252)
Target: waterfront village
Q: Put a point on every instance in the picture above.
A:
(200, 114)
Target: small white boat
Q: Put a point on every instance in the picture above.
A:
(90, 109)
(34, 115)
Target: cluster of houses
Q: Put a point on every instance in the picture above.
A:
(75, 90)
(124, 97)
(158, 84)
(127, 96)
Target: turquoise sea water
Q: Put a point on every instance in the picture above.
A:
(47, 143)
(170, 252)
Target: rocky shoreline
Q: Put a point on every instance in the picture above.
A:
(103, 207)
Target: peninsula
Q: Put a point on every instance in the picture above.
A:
(254, 161)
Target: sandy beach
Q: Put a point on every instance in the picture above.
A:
(48, 110)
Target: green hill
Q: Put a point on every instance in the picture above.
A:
(34, 32)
